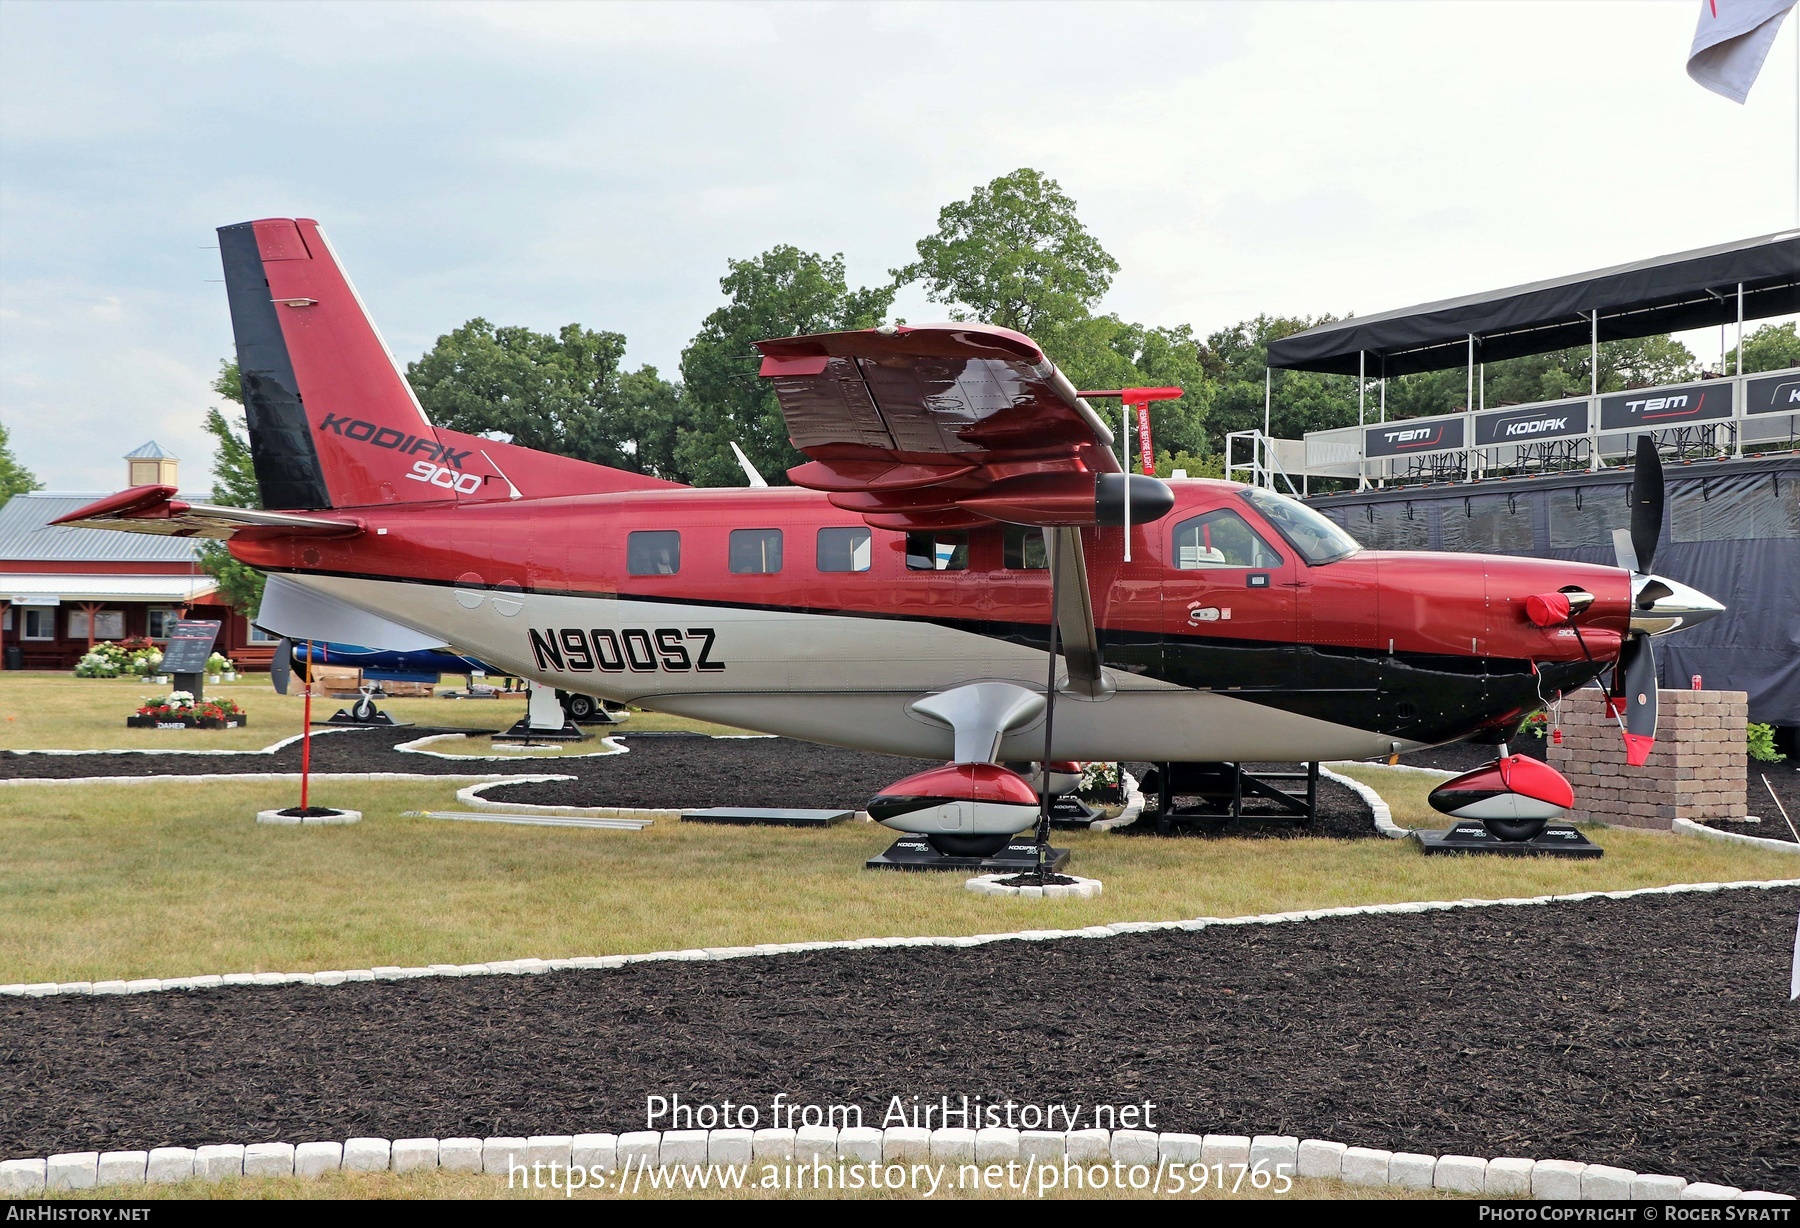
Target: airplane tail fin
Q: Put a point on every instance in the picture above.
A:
(333, 422)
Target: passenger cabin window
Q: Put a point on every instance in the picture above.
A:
(1221, 539)
(1022, 549)
(943, 550)
(844, 549)
(653, 553)
(755, 552)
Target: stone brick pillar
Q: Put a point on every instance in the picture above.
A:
(1696, 771)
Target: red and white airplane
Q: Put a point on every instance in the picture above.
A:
(897, 598)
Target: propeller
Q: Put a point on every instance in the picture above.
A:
(1633, 691)
(1646, 504)
(1634, 697)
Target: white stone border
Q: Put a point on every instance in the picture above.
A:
(337, 818)
(1134, 806)
(992, 884)
(417, 747)
(527, 966)
(1392, 767)
(1691, 828)
(491, 778)
(176, 750)
(471, 797)
(639, 1150)
(1384, 818)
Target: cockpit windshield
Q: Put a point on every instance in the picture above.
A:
(1317, 539)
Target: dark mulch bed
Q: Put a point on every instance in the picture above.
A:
(1467, 756)
(351, 750)
(661, 771)
(1654, 1033)
(1784, 779)
(675, 771)
(1341, 813)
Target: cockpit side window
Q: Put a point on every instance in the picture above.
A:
(1317, 539)
(1221, 538)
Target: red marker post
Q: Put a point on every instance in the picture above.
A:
(306, 731)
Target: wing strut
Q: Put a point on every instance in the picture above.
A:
(1056, 571)
(1072, 614)
(1072, 633)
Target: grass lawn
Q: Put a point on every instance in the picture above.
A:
(57, 711)
(105, 881)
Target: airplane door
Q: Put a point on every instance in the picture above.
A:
(1229, 599)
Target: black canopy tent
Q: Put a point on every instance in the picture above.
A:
(1750, 279)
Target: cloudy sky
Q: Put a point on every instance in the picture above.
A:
(544, 163)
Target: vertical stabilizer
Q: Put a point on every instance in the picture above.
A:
(333, 422)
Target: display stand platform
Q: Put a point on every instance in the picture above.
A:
(916, 853)
(1469, 836)
(523, 731)
(761, 816)
(375, 720)
(1070, 811)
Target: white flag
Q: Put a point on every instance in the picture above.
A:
(1732, 41)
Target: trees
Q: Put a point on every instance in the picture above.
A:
(234, 485)
(562, 393)
(1013, 254)
(1236, 358)
(1769, 348)
(781, 293)
(15, 479)
(1635, 362)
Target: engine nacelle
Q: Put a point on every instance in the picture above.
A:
(1513, 797)
(958, 799)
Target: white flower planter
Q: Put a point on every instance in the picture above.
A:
(991, 884)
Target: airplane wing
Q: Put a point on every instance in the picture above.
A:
(943, 426)
(155, 509)
(956, 425)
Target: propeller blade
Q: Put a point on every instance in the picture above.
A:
(1637, 664)
(1624, 553)
(282, 666)
(1646, 503)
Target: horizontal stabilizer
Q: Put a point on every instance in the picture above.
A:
(155, 509)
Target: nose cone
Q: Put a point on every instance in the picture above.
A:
(1659, 606)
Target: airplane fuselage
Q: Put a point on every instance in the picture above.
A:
(773, 610)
